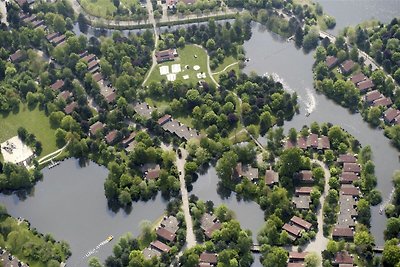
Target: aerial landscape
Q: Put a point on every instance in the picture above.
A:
(200, 133)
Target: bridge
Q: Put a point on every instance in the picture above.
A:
(255, 248)
(323, 35)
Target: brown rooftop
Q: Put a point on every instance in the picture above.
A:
(165, 234)
(324, 143)
(64, 95)
(216, 226)
(365, 85)
(111, 97)
(51, 36)
(208, 257)
(207, 220)
(390, 114)
(92, 64)
(348, 177)
(70, 107)
(351, 167)
(127, 140)
(312, 141)
(306, 190)
(97, 77)
(95, 127)
(300, 222)
(302, 142)
(153, 173)
(160, 246)
(17, 56)
(297, 256)
(271, 177)
(345, 232)
(304, 176)
(347, 66)
(57, 85)
(161, 121)
(347, 158)
(110, 137)
(372, 96)
(343, 257)
(384, 101)
(292, 229)
(359, 77)
(296, 264)
(350, 190)
(89, 58)
(246, 171)
(331, 61)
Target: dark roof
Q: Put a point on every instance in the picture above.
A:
(347, 158)
(296, 256)
(70, 107)
(51, 36)
(37, 23)
(365, 85)
(245, 170)
(170, 223)
(164, 119)
(207, 220)
(208, 257)
(350, 190)
(300, 222)
(351, 167)
(58, 40)
(359, 77)
(17, 56)
(212, 229)
(160, 246)
(292, 229)
(110, 137)
(143, 109)
(312, 141)
(303, 190)
(64, 95)
(165, 234)
(384, 101)
(373, 95)
(57, 85)
(348, 177)
(343, 257)
(302, 201)
(390, 114)
(96, 127)
(342, 232)
(331, 61)
(271, 177)
(347, 66)
(127, 140)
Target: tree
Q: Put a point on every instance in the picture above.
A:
(310, 40)
(95, 262)
(391, 253)
(59, 23)
(226, 164)
(275, 257)
(290, 162)
(312, 259)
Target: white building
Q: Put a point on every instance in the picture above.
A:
(16, 152)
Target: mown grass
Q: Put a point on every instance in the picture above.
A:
(186, 58)
(34, 121)
(227, 61)
(104, 8)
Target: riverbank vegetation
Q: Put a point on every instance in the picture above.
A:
(30, 246)
(115, 9)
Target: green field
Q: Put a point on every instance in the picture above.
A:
(34, 121)
(104, 8)
(228, 61)
(186, 58)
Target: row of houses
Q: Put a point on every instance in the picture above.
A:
(209, 223)
(312, 141)
(341, 259)
(296, 227)
(166, 234)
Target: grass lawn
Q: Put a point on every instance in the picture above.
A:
(104, 8)
(186, 58)
(224, 66)
(34, 121)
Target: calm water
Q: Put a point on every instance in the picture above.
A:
(70, 204)
(270, 54)
(352, 12)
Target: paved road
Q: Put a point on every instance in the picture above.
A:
(180, 163)
(156, 37)
(3, 12)
(319, 244)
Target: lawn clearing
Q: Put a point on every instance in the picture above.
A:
(104, 8)
(229, 63)
(34, 121)
(186, 58)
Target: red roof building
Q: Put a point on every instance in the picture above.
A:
(331, 61)
(97, 77)
(304, 190)
(95, 127)
(348, 177)
(216, 226)
(165, 234)
(390, 114)
(18, 56)
(324, 143)
(111, 136)
(342, 232)
(271, 177)
(359, 77)
(164, 119)
(343, 257)
(292, 230)
(166, 55)
(160, 246)
(295, 256)
(384, 102)
(154, 173)
(312, 141)
(347, 158)
(302, 143)
(347, 66)
(304, 176)
(365, 86)
(349, 190)
(300, 222)
(57, 85)
(70, 108)
(351, 167)
(211, 258)
(296, 264)
(372, 96)
(64, 95)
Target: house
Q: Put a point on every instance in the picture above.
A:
(216, 226)
(343, 257)
(209, 224)
(211, 258)
(312, 141)
(149, 253)
(347, 158)
(370, 97)
(170, 223)
(359, 77)
(342, 233)
(180, 130)
(246, 171)
(29, 19)
(129, 139)
(97, 77)
(324, 143)
(37, 23)
(302, 143)
(95, 127)
(58, 40)
(295, 256)
(331, 61)
(271, 177)
(365, 86)
(303, 190)
(296, 264)
(160, 246)
(153, 173)
(93, 66)
(348, 177)
(51, 36)
(17, 57)
(349, 190)
(304, 176)
(347, 66)
(57, 85)
(89, 58)
(384, 101)
(166, 235)
(164, 119)
(111, 137)
(390, 114)
(302, 202)
(351, 167)
(293, 231)
(143, 109)
(166, 55)
(70, 107)
(64, 95)
(110, 98)
(301, 223)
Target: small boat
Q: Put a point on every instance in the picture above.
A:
(308, 114)
(110, 238)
